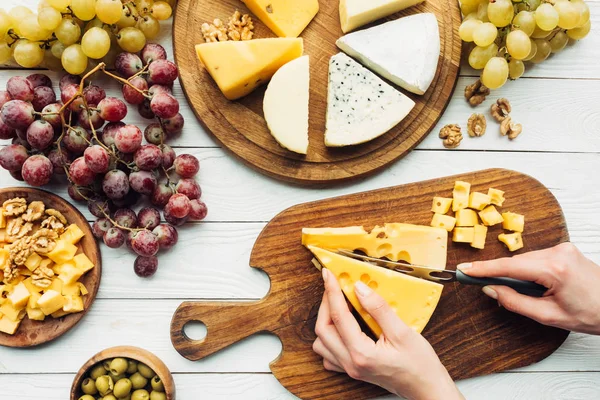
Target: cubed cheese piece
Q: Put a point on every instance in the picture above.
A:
(71, 289)
(31, 287)
(496, 197)
(443, 221)
(460, 195)
(4, 257)
(9, 311)
(33, 261)
(466, 217)
(513, 222)
(3, 236)
(51, 301)
(69, 274)
(479, 235)
(56, 285)
(239, 67)
(4, 291)
(356, 13)
(478, 201)
(73, 304)
(463, 235)
(19, 296)
(441, 205)
(59, 268)
(83, 262)
(46, 263)
(33, 299)
(404, 51)
(286, 18)
(72, 235)
(8, 325)
(360, 105)
(59, 313)
(63, 252)
(514, 241)
(2, 219)
(35, 314)
(490, 216)
(82, 288)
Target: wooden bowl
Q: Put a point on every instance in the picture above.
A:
(33, 333)
(135, 353)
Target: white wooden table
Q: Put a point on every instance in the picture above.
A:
(558, 104)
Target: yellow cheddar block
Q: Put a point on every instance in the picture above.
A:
(59, 313)
(9, 311)
(8, 325)
(73, 304)
(2, 219)
(286, 18)
(463, 235)
(412, 299)
(72, 234)
(513, 222)
(460, 195)
(56, 285)
(35, 314)
(69, 274)
(51, 301)
(63, 252)
(443, 221)
(466, 217)
(478, 201)
(19, 296)
(83, 262)
(490, 216)
(479, 236)
(496, 197)
(33, 261)
(514, 241)
(31, 287)
(33, 299)
(441, 205)
(239, 67)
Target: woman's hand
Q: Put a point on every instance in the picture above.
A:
(573, 298)
(401, 361)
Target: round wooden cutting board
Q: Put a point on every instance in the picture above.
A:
(34, 333)
(240, 126)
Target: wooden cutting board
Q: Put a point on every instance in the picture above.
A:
(241, 128)
(470, 333)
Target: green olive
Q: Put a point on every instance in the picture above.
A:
(116, 378)
(158, 395)
(109, 397)
(105, 385)
(86, 397)
(157, 384)
(131, 367)
(138, 381)
(140, 394)
(128, 397)
(118, 366)
(97, 371)
(88, 386)
(106, 364)
(146, 371)
(122, 388)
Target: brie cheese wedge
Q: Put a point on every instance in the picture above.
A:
(356, 13)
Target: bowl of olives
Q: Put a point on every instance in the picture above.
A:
(123, 373)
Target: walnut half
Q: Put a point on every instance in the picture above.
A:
(35, 211)
(215, 32)
(476, 125)
(500, 109)
(452, 136)
(240, 27)
(476, 93)
(510, 129)
(14, 207)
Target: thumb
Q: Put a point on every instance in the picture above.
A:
(540, 309)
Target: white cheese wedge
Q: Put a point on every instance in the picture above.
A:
(356, 13)
(360, 105)
(286, 105)
(404, 51)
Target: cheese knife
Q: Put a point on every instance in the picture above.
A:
(443, 276)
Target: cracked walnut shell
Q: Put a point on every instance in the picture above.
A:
(500, 109)
(452, 136)
(510, 129)
(476, 125)
(35, 211)
(14, 207)
(476, 93)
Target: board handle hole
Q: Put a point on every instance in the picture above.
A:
(195, 330)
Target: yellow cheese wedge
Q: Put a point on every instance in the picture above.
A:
(286, 18)
(239, 67)
(416, 244)
(413, 299)
(479, 235)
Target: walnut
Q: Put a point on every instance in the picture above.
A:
(240, 27)
(215, 32)
(54, 224)
(452, 136)
(476, 125)
(44, 241)
(20, 250)
(42, 277)
(508, 127)
(11, 271)
(55, 213)
(500, 109)
(35, 211)
(475, 93)
(14, 207)
(16, 228)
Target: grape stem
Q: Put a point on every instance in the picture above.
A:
(140, 72)
(126, 82)
(125, 228)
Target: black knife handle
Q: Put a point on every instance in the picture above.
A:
(524, 287)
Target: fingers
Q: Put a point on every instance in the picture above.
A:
(328, 335)
(541, 309)
(320, 349)
(328, 365)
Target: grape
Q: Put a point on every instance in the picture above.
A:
(20, 141)
(516, 69)
(57, 49)
(97, 158)
(76, 140)
(131, 95)
(161, 10)
(95, 43)
(559, 41)
(152, 52)
(175, 221)
(80, 173)
(115, 184)
(114, 238)
(143, 182)
(6, 52)
(74, 59)
(131, 39)
(28, 54)
(40, 134)
(67, 80)
(145, 267)
(98, 207)
(127, 19)
(109, 11)
(164, 105)
(154, 133)
(187, 166)
(581, 32)
(178, 206)
(569, 14)
(126, 217)
(518, 44)
(198, 210)
(485, 34)
(42, 97)
(17, 114)
(167, 236)
(30, 29)
(145, 243)
(22, 134)
(37, 170)
(49, 18)
(500, 12)
(112, 109)
(162, 72)
(155, 89)
(145, 110)
(74, 193)
(584, 12)
(494, 74)
(482, 11)
(101, 226)
(128, 64)
(465, 31)
(543, 51)
(93, 95)
(189, 187)
(4, 98)
(85, 10)
(20, 88)
(144, 7)
(173, 125)
(149, 26)
(525, 21)
(148, 218)
(128, 138)
(161, 195)
(18, 14)
(68, 32)
(5, 23)
(13, 156)
(71, 91)
(546, 17)
(60, 5)
(90, 118)
(38, 80)
(59, 159)
(109, 132)
(6, 132)
(148, 157)
(17, 175)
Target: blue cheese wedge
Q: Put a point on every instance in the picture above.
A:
(360, 105)
(404, 51)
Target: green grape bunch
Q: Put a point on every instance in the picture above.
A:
(76, 35)
(506, 34)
